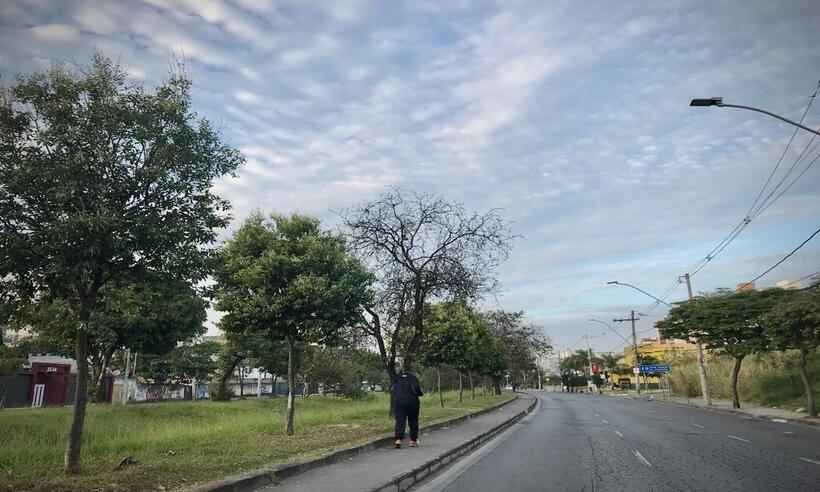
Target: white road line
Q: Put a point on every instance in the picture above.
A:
(788, 432)
(738, 438)
(780, 421)
(699, 426)
(641, 458)
(597, 415)
(604, 421)
(619, 434)
(810, 461)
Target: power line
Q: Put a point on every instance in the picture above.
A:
(783, 155)
(808, 166)
(759, 206)
(664, 296)
(783, 259)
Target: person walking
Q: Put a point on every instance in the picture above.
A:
(406, 393)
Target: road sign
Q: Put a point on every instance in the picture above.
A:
(655, 368)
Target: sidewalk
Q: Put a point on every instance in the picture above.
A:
(376, 468)
(725, 406)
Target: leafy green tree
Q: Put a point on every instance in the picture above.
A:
(450, 329)
(795, 324)
(286, 279)
(182, 365)
(726, 322)
(100, 178)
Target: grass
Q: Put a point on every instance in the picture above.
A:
(178, 444)
(770, 379)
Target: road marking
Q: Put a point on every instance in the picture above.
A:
(619, 434)
(780, 421)
(738, 438)
(641, 458)
(788, 432)
(699, 426)
(604, 421)
(597, 415)
(810, 461)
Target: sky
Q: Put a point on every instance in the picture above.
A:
(572, 118)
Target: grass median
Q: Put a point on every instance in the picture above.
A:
(177, 444)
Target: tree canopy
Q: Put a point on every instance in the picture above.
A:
(423, 248)
(100, 178)
(726, 322)
(284, 278)
(795, 324)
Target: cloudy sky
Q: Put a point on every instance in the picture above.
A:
(572, 117)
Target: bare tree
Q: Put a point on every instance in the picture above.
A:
(423, 248)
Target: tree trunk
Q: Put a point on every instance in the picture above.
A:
(223, 379)
(460, 387)
(72, 453)
(241, 382)
(735, 374)
(811, 405)
(472, 388)
(273, 385)
(497, 385)
(291, 382)
(438, 387)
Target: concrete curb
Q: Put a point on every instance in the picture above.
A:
(801, 420)
(406, 480)
(275, 473)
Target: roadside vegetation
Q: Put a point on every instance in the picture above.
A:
(778, 329)
(770, 379)
(177, 444)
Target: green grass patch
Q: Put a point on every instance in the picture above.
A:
(178, 444)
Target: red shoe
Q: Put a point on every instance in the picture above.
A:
(397, 444)
(414, 444)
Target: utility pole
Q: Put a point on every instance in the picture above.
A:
(590, 384)
(560, 371)
(125, 378)
(704, 385)
(633, 319)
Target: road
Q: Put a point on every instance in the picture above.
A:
(577, 442)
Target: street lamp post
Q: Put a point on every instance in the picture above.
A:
(615, 282)
(718, 101)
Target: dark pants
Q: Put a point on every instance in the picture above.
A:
(407, 413)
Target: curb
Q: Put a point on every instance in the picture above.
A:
(741, 413)
(275, 473)
(406, 480)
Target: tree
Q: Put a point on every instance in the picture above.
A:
(423, 248)
(99, 179)
(520, 343)
(729, 323)
(795, 324)
(448, 340)
(286, 279)
(182, 365)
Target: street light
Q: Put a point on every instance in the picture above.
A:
(718, 101)
(615, 282)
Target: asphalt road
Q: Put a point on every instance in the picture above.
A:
(576, 442)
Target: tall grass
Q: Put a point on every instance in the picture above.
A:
(770, 379)
(179, 443)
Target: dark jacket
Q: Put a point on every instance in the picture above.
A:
(406, 389)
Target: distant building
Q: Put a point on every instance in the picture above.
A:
(662, 350)
(745, 287)
(788, 284)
